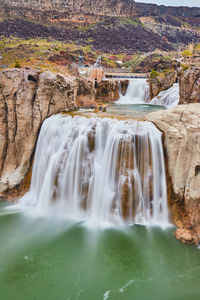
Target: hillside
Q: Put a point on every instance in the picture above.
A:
(117, 26)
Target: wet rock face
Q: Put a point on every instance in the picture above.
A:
(181, 128)
(58, 9)
(190, 86)
(27, 97)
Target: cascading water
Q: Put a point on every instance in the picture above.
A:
(101, 170)
(137, 93)
(169, 98)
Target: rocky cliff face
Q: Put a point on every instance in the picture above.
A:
(190, 86)
(181, 128)
(144, 9)
(62, 9)
(161, 82)
(27, 97)
(170, 14)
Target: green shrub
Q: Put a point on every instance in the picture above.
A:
(17, 65)
(185, 67)
(186, 53)
(154, 74)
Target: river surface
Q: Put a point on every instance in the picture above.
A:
(134, 110)
(48, 259)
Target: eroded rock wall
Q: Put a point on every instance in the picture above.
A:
(181, 128)
(190, 86)
(90, 95)
(27, 97)
(62, 9)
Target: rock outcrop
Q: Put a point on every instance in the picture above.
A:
(27, 97)
(91, 96)
(162, 82)
(181, 128)
(144, 9)
(79, 10)
(190, 86)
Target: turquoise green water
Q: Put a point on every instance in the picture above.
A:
(135, 110)
(49, 259)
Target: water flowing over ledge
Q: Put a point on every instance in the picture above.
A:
(104, 171)
(169, 98)
(137, 92)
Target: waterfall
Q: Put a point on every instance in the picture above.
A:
(99, 170)
(169, 98)
(137, 92)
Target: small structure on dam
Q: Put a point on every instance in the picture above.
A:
(98, 73)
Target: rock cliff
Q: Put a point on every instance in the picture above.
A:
(144, 9)
(190, 86)
(27, 97)
(181, 128)
(62, 9)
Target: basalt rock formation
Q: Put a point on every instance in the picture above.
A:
(171, 14)
(181, 128)
(144, 9)
(27, 97)
(190, 86)
(79, 10)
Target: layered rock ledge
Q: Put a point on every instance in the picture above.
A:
(181, 128)
(27, 97)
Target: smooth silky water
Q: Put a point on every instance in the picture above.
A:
(49, 258)
(75, 234)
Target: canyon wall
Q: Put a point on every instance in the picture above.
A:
(27, 97)
(144, 9)
(68, 9)
(181, 128)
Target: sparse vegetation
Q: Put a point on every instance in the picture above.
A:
(154, 74)
(185, 67)
(197, 49)
(186, 53)
(17, 65)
